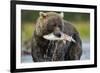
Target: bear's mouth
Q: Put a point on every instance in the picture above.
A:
(63, 37)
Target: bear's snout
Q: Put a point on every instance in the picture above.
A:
(57, 34)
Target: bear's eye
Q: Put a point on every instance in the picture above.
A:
(54, 24)
(59, 25)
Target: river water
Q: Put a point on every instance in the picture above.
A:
(85, 53)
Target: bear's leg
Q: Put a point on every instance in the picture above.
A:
(59, 52)
(37, 55)
(74, 50)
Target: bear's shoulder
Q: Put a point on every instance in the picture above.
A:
(69, 26)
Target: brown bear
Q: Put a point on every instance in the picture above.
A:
(47, 41)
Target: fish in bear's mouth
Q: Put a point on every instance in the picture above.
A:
(64, 37)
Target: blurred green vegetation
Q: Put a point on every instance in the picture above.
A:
(84, 30)
(27, 31)
(80, 20)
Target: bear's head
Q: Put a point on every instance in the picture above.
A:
(49, 22)
(50, 26)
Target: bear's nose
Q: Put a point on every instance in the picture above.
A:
(57, 34)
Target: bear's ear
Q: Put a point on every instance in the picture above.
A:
(42, 14)
(62, 14)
